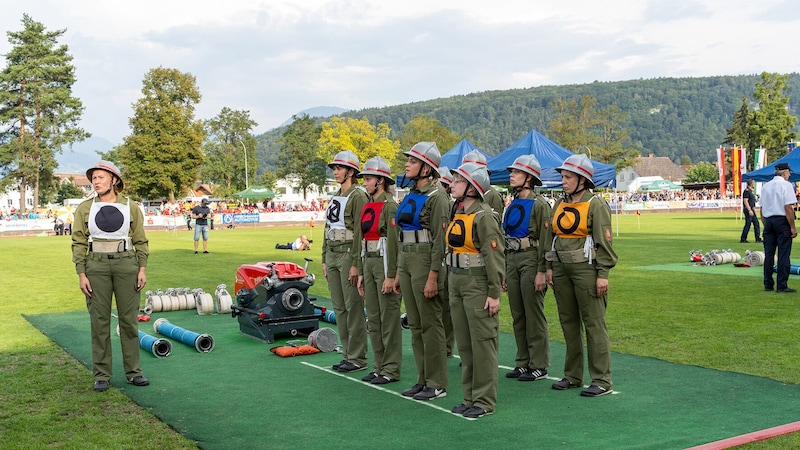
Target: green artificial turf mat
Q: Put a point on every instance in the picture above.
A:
(242, 396)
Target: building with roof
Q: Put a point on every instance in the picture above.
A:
(645, 170)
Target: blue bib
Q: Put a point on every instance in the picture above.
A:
(409, 210)
(517, 217)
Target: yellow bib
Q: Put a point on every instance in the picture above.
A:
(570, 220)
(459, 234)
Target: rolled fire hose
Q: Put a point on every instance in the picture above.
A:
(204, 302)
(204, 343)
(755, 258)
(223, 300)
(161, 348)
(190, 302)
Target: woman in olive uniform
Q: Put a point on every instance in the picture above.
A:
(340, 254)
(475, 263)
(377, 270)
(422, 218)
(492, 197)
(578, 265)
(526, 225)
(110, 250)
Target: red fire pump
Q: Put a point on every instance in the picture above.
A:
(272, 297)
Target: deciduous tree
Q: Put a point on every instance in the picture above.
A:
(358, 136)
(38, 113)
(228, 142)
(162, 156)
(424, 129)
(702, 172)
(299, 158)
(770, 123)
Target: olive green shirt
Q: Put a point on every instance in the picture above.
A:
(352, 212)
(539, 229)
(435, 216)
(80, 233)
(487, 236)
(599, 226)
(388, 229)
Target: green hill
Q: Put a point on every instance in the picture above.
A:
(668, 117)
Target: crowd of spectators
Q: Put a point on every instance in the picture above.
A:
(223, 207)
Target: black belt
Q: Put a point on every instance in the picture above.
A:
(119, 255)
(468, 271)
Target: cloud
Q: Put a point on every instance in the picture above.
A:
(278, 57)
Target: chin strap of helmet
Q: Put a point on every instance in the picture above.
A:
(525, 185)
(579, 190)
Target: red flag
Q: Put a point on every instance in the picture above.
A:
(721, 167)
(638, 213)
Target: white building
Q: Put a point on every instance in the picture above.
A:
(10, 198)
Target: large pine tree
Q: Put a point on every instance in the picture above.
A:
(38, 113)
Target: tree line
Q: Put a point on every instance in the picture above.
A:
(169, 150)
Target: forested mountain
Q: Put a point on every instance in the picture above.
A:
(669, 117)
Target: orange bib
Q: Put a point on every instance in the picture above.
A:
(570, 220)
(459, 234)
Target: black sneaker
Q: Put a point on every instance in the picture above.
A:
(786, 290)
(339, 364)
(430, 393)
(195, 252)
(533, 375)
(101, 385)
(205, 251)
(383, 379)
(475, 412)
(595, 391)
(564, 384)
(139, 381)
(413, 390)
(516, 372)
(369, 377)
(460, 409)
(350, 367)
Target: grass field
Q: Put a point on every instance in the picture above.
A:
(716, 321)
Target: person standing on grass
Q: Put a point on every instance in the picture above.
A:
(445, 179)
(578, 264)
(422, 217)
(377, 270)
(475, 263)
(110, 250)
(777, 213)
(201, 215)
(340, 267)
(526, 226)
(749, 211)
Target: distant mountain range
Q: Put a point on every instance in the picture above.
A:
(82, 155)
(317, 111)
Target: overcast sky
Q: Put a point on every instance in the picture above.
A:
(276, 58)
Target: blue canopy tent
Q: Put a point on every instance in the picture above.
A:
(550, 156)
(451, 159)
(766, 173)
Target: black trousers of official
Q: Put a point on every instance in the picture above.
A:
(777, 236)
(751, 220)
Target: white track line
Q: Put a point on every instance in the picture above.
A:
(428, 403)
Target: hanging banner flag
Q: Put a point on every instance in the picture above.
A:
(760, 159)
(721, 167)
(738, 167)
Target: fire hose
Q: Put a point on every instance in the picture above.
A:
(222, 299)
(204, 343)
(161, 348)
